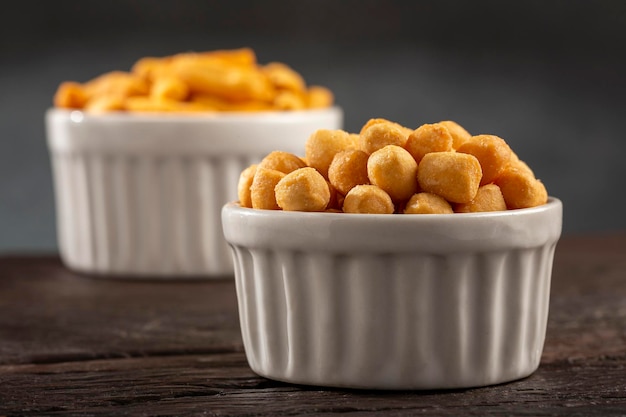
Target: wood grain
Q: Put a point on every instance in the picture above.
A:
(77, 345)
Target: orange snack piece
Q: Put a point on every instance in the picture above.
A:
(521, 189)
(284, 162)
(492, 152)
(348, 169)
(458, 133)
(428, 138)
(394, 170)
(454, 176)
(221, 80)
(262, 193)
(322, 146)
(243, 186)
(70, 95)
(284, 77)
(427, 203)
(319, 97)
(302, 190)
(379, 135)
(488, 198)
(367, 199)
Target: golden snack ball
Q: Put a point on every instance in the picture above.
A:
(378, 120)
(322, 146)
(262, 188)
(303, 190)
(379, 135)
(453, 176)
(428, 138)
(319, 97)
(459, 134)
(348, 169)
(336, 198)
(394, 170)
(284, 162)
(243, 186)
(427, 203)
(492, 152)
(521, 189)
(488, 198)
(367, 199)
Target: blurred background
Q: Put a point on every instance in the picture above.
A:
(547, 76)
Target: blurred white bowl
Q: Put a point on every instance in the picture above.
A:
(393, 301)
(140, 194)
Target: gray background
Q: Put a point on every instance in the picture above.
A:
(547, 76)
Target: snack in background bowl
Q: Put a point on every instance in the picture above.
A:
(143, 164)
(214, 81)
(438, 281)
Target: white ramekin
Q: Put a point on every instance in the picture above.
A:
(393, 301)
(140, 195)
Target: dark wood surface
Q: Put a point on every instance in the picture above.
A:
(79, 345)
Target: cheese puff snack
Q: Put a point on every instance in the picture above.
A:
(379, 135)
(488, 198)
(427, 203)
(284, 162)
(213, 81)
(439, 169)
(454, 176)
(322, 146)
(492, 152)
(348, 169)
(394, 170)
(428, 138)
(302, 190)
(459, 134)
(368, 199)
(262, 195)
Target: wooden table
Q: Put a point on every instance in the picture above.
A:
(77, 345)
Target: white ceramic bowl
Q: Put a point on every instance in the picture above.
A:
(140, 195)
(393, 301)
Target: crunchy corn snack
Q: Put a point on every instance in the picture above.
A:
(302, 190)
(262, 193)
(244, 184)
(284, 162)
(454, 176)
(521, 189)
(323, 145)
(427, 203)
(428, 138)
(459, 134)
(394, 170)
(348, 169)
(368, 199)
(492, 152)
(424, 176)
(379, 135)
(222, 80)
(488, 198)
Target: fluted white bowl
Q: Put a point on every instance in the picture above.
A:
(140, 195)
(393, 301)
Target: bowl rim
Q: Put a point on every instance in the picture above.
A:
(400, 217)
(82, 116)
(385, 233)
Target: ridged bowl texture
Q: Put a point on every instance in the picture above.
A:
(140, 195)
(393, 301)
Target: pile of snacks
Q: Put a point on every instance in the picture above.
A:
(387, 168)
(223, 80)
